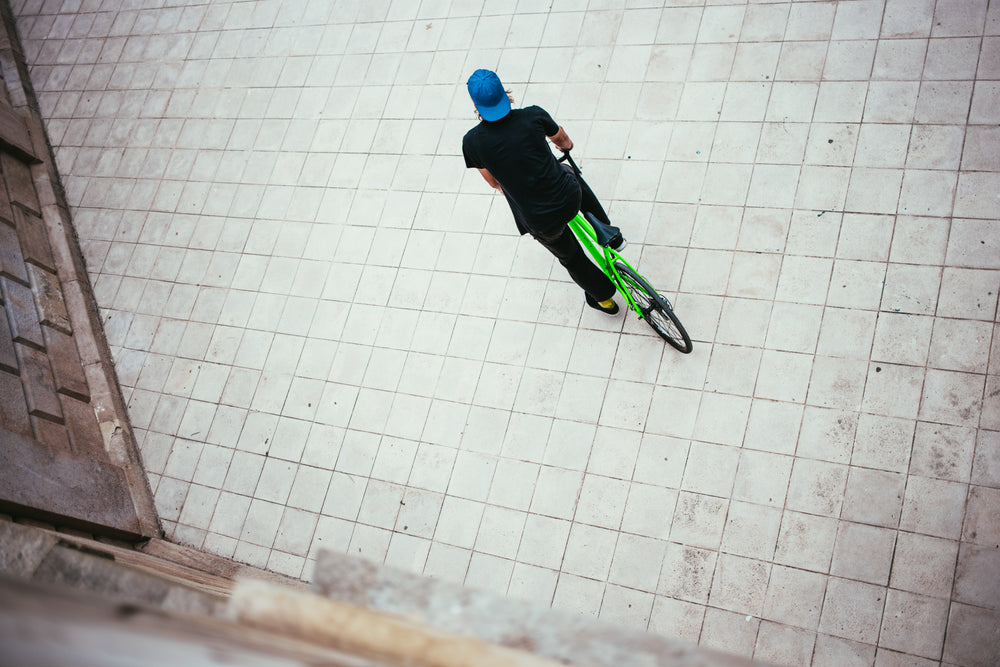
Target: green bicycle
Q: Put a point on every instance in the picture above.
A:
(640, 296)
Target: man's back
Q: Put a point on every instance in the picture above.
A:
(515, 151)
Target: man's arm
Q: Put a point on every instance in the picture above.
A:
(562, 140)
(494, 183)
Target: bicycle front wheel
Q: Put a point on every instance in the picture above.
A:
(656, 310)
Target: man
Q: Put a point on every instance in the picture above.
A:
(509, 149)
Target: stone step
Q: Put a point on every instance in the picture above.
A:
(107, 571)
(542, 631)
(364, 613)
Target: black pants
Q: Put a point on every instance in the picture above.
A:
(563, 244)
(582, 270)
(567, 249)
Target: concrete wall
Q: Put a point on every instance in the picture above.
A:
(67, 454)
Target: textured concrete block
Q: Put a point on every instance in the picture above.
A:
(80, 307)
(102, 394)
(49, 299)
(11, 258)
(62, 486)
(548, 632)
(20, 185)
(21, 313)
(84, 429)
(13, 405)
(8, 357)
(5, 211)
(47, 192)
(68, 259)
(14, 135)
(66, 567)
(40, 149)
(23, 548)
(39, 386)
(51, 434)
(67, 371)
(34, 239)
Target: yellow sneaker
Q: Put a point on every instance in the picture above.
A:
(609, 306)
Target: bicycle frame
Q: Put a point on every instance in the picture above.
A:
(604, 257)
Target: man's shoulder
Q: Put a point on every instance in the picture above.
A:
(536, 114)
(472, 133)
(533, 110)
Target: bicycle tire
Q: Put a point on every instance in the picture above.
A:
(656, 310)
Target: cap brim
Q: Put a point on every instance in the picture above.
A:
(495, 112)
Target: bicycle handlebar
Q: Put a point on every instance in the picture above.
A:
(566, 157)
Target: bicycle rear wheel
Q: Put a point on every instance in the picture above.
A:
(656, 310)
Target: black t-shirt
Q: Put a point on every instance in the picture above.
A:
(516, 153)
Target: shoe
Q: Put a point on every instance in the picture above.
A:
(609, 310)
(618, 242)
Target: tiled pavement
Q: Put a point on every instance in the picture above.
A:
(331, 336)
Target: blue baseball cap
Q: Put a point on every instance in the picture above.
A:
(488, 95)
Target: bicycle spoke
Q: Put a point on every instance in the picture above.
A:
(653, 308)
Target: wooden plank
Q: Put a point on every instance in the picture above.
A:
(196, 560)
(173, 572)
(211, 564)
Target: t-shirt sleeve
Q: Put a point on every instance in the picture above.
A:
(548, 125)
(468, 150)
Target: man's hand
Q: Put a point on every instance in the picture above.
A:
(562, 140)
